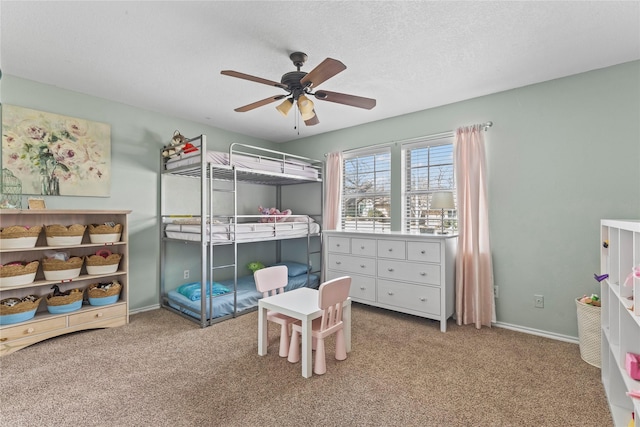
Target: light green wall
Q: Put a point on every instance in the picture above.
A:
(561, 155)
(136, 138)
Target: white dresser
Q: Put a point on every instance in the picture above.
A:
(410, 273)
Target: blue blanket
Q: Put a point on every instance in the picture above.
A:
(246, 297)
(193, 291)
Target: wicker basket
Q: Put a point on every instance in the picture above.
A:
(24, 310)
(19, 237)
(589, 333)
(24, 305)
(56, 269)
(105, 233)
(65, 303)
(18, 274)
(93, 291)
(59, 235)
(97, 264)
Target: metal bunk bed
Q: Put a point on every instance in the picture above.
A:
(217, 172)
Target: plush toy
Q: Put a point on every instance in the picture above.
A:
(255, 266)
(178, 145)
(273, 214)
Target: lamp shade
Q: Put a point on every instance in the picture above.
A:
(285, 106)
(442, 200)
(305, 105)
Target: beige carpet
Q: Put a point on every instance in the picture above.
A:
(163, 370)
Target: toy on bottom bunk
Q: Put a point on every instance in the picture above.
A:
(273, 214)
(255, 266)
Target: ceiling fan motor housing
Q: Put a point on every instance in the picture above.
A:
(292, 80)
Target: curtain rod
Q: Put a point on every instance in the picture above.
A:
(485, 127)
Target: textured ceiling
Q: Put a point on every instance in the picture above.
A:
(410, 56)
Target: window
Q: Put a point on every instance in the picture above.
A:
(366, 195)
(428, 168)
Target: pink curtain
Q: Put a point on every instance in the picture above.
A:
(333, 191)
(474, 269)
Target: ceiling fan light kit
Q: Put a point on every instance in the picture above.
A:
(285, 106)
(299, 85)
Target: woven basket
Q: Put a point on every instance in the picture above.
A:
(17, 231)
(103, 233)
(589, 333)
(74, 296)
(98, 260)
(57, 230)
(94, 292)
(104, 229)
(21, 307)
(52, 264)
(19, 270)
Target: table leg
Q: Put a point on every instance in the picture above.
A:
(307, 368)
(262, 331)
(346, 319)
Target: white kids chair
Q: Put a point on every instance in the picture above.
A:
(333, 294)
(271, 281)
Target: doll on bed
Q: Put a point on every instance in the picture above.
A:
(273, 214)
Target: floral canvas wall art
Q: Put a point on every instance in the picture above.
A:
(56, 155)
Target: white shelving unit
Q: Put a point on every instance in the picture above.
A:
(619, 253)
(44, 325)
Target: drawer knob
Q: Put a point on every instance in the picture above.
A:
(362, 266)
(30, 330)
(338, 262)
(423, 252)
(423, 273)
(362, 247)
(3, 339)
(390, 249)
(362, 288)
(99, 314)
(338, 245)
(423, 299)
(390, 293)
(389, 269)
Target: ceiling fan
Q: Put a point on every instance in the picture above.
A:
(299, 85)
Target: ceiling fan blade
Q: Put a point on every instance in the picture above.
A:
(343, 98)
(259, 103)
(323, 72)
(252, 78)
(313, 120)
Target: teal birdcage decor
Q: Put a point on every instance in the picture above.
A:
(11, 191)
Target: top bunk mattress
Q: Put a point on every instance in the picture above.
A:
(250, 162)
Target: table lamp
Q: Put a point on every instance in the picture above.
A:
(442, 200)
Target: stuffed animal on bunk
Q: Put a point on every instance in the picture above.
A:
(273, 214)
(255, 266)
(178, 145)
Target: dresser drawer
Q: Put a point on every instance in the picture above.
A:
(97, 314)
(352, 264)
(338, 244)
(423, 251)
(366, 247)
(392, 249)
(409, 271)
(32, 328)
(424, 299)
(362, 287)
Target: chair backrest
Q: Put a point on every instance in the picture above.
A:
(332, 294)
(271, 280)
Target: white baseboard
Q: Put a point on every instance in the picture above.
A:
(546, 334)
(148, 308)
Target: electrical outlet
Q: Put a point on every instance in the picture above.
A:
(539, 301)
(496, 291)
(186, 274)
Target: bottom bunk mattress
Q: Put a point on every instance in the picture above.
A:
(247, 296)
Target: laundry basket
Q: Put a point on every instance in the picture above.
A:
(589, 333)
